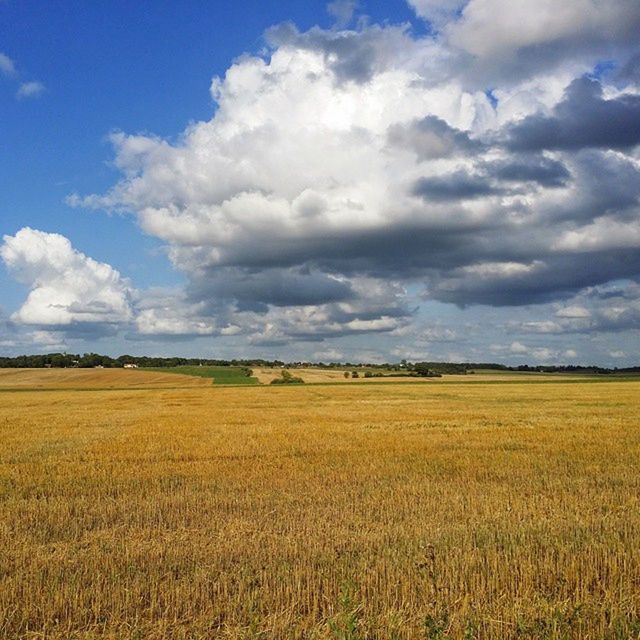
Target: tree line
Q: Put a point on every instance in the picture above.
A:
(91, 360)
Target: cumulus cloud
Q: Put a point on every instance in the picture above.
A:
(66, 288)
(346, 164)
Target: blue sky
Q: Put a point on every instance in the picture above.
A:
(434, 198)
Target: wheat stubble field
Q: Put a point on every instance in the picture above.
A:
(448, 510)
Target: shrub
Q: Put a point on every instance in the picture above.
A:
(287, 378)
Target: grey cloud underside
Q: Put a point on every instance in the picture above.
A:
(583, 119)
(544, 171)
(556, 278)
(278, 287)
(455, 187)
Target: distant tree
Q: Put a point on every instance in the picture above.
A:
(423, 370)
(346, 374)
(287, 378)
(355, 374)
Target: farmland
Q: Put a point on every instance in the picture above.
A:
(219, 375)
(441, 509)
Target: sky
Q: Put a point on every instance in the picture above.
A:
(454, 180)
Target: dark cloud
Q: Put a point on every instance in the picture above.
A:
(555, 278)
(583, 119)
(454, 187)
(544, 171)
(278, 287)
(605, 184)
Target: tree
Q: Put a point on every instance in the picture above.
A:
(422, 369)
(287, 378)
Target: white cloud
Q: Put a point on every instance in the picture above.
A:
(329, 355)
(573, 311)
(438, 12)
(518, 347)
(31, 89)
(7, 66)
(66, 287)
(489, 28)
(342, 11)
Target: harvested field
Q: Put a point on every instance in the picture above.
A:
(94, 379)
(428, 511)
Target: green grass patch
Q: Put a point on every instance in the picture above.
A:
(220, 375)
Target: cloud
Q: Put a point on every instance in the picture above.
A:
(583, 119)
(279, 287)
(342, 11)
(510, 41)
(66, 288)
(31, 89)
(7, 66)
(573, 311)
(330, 355)
(432, 138)
(343, 166)
(438, 12)
(493, 27)
(607, 309)
(518, 348)
(454, 187)
(544, 171)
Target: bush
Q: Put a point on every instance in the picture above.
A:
(287, 378)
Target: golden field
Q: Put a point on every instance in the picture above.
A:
(382, 511)
(83, 379)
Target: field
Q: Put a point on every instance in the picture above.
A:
(84, 379)
(220, 375)
(382, 511)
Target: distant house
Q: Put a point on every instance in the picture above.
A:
(130, 365)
